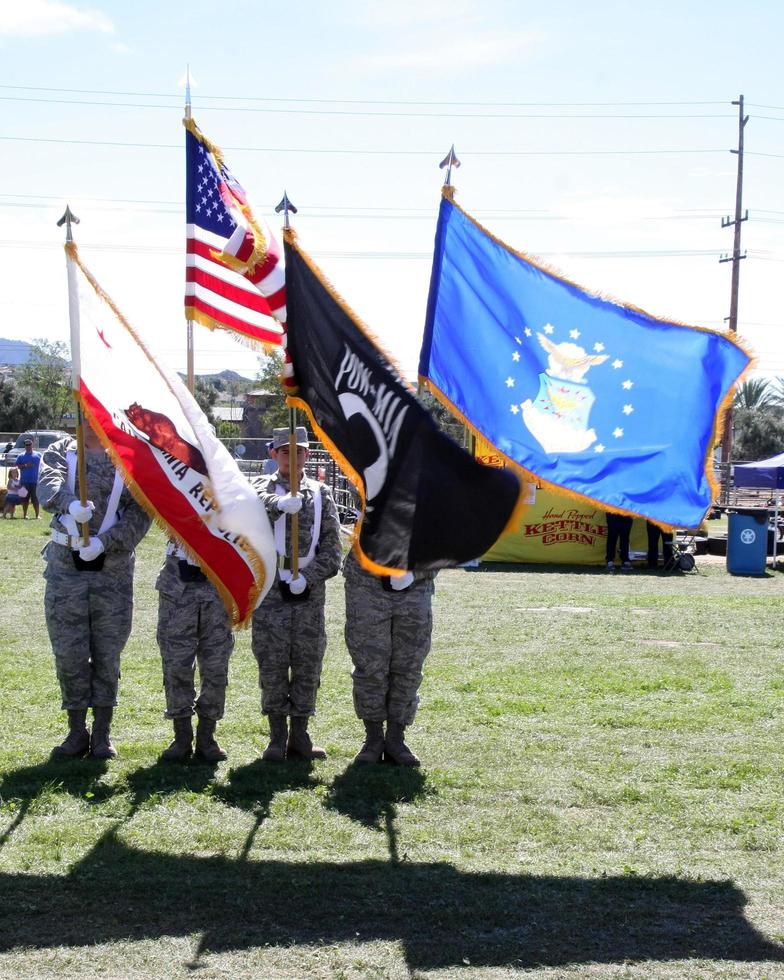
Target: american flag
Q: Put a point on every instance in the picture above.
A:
(234, 274)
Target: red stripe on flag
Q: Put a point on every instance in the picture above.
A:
(252, 300)
(269, 335)
(269, 263)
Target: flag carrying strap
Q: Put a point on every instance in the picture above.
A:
(280, 530)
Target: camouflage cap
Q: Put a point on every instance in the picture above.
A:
(280, 437)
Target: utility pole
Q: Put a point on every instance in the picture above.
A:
(735, 258)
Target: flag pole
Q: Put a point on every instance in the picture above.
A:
(189, 332)
(287, 207)
(68, 219)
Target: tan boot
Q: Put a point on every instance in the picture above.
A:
(77, 741)
(206, 746)
(181, 749)
(395, 749)
(100, 744)
(279, 731)
(299, 744)
(373, 747)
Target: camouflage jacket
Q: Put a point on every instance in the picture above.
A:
(326, 561)
(54, 495)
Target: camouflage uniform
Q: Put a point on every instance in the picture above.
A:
(388, 637)
(88, 613)
(193, 627)
(289, 636)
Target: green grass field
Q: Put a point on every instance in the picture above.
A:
(602, 795)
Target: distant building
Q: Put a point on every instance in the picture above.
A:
(258, 401)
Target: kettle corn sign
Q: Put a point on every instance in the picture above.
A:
(555, 528)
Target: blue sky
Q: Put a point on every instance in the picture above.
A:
(595, 136)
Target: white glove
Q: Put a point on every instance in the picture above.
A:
(90, 551)
(81, 514)
(400, 582)
(298, 585)
(290, 504)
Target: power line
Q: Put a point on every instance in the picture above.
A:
(347, 254)
(319, 101)
(358, 152)
(366, 112)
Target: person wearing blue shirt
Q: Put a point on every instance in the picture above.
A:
(29, 463)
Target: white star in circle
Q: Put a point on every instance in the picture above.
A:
(618, 432)
(528, 331)
(548, 328)
(617, 364)
(598, 448)
(598, 347)
(627, 384)
(628, 409)
(514, 409)
(510, 382)
(515, 356)
(574, 334)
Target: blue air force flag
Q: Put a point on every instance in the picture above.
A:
(586, 394)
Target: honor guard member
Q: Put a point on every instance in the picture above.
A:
(389, 624)
(289, 634)
(193, 627)
(89, 588)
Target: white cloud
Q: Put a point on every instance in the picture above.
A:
(119, 48)
(35, 18)
(444, 55)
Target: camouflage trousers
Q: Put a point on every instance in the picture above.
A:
(289, 640)
(194, 628)
(88, 616)
(388, 637)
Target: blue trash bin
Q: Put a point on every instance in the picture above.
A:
(747, 542)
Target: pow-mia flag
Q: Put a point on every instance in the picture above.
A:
(427, 503)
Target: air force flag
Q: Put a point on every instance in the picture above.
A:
(588, 395)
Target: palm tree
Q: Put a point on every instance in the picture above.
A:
(756, 393)
(777, 392)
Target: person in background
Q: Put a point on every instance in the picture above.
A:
(88, 599)
(289, 632)
(619, 530)
(654, 533)
(15, 493)
(29, 464)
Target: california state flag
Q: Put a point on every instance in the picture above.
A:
(165, 448)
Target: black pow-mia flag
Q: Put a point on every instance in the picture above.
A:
(426, 502)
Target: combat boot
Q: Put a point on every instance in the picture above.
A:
(395, 749)
(373, 747)
(299, 744)
(279, 731)
(206, 746)
(181, 749)
(100, 743)
(77, 741)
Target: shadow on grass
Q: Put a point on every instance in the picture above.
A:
(77, 777)
(371, 794)
(441, 916)
(253, 788)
